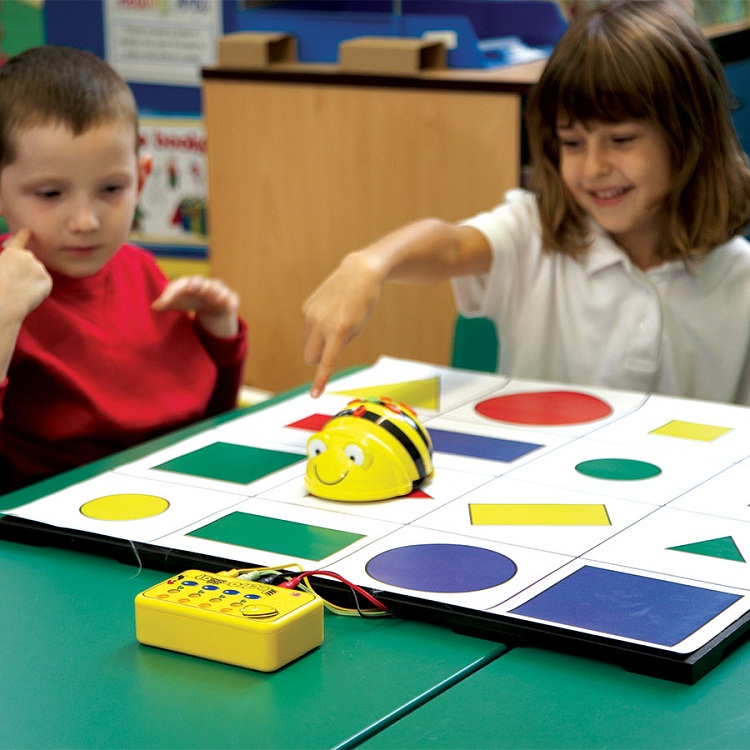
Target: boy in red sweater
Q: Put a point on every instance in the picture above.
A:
(98, 351)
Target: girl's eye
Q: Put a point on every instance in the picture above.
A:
(355, 454)
(113, 189)
(315, 447)
(48, 194)
(569, 143)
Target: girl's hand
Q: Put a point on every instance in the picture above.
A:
(215, 305)
(335, 313)
(24, 281)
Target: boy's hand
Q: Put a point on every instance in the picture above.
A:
(334, 314)
(24, 281)
(215, 305)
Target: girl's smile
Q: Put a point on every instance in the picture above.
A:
(609, 197)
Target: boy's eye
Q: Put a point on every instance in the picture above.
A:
(48, 194)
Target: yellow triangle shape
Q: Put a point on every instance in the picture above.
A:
(419, 394)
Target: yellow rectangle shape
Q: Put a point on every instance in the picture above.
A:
(538, 514)
(691, 430)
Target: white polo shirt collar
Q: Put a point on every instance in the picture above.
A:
(708, 270)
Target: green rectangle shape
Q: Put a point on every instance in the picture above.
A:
(276, 535)
(231, 463)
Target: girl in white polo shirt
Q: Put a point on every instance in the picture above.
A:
(623, 268)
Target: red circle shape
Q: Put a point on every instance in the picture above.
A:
(545, 408)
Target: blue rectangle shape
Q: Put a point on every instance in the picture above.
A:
(479, 446)
(628, 605)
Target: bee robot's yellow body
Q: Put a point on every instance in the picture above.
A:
(374, 449)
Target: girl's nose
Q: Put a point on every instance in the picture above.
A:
(596, 162)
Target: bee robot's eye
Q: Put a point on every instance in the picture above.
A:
(355, 454)
(315, 447)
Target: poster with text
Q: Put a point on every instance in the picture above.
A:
(161, 41)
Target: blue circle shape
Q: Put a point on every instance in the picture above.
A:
(441, 568)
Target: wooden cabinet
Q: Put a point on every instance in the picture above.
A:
(306, 165)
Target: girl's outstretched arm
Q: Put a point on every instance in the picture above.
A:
(424, 252)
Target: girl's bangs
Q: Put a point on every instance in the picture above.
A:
(599, 88)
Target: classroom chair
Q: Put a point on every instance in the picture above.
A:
(475, 344)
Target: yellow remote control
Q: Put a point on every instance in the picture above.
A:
(245, 623)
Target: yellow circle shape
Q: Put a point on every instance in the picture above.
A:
(124, 507)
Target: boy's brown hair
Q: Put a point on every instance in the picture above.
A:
(643, 60)
(56, 85)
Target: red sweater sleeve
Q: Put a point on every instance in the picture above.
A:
(96, 370)
(229, 357)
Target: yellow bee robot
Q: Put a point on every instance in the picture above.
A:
(374, 449)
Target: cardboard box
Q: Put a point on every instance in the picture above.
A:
(387, 54)
(250, 49)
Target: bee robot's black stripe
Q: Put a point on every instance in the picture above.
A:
(418, 427)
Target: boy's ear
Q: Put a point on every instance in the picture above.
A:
(145, 165)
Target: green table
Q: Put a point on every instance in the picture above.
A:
(74, 676)
(539, 699)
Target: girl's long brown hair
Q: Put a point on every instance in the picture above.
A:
(643, 60)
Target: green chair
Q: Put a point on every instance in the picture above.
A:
(475, 344)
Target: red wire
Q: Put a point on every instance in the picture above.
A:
(294, 582)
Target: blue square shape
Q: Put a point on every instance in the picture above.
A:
(480, 446)
(628, 605)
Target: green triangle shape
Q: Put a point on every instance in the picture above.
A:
(723, 547)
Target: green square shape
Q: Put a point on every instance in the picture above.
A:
(298, 540)
(231, 463)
